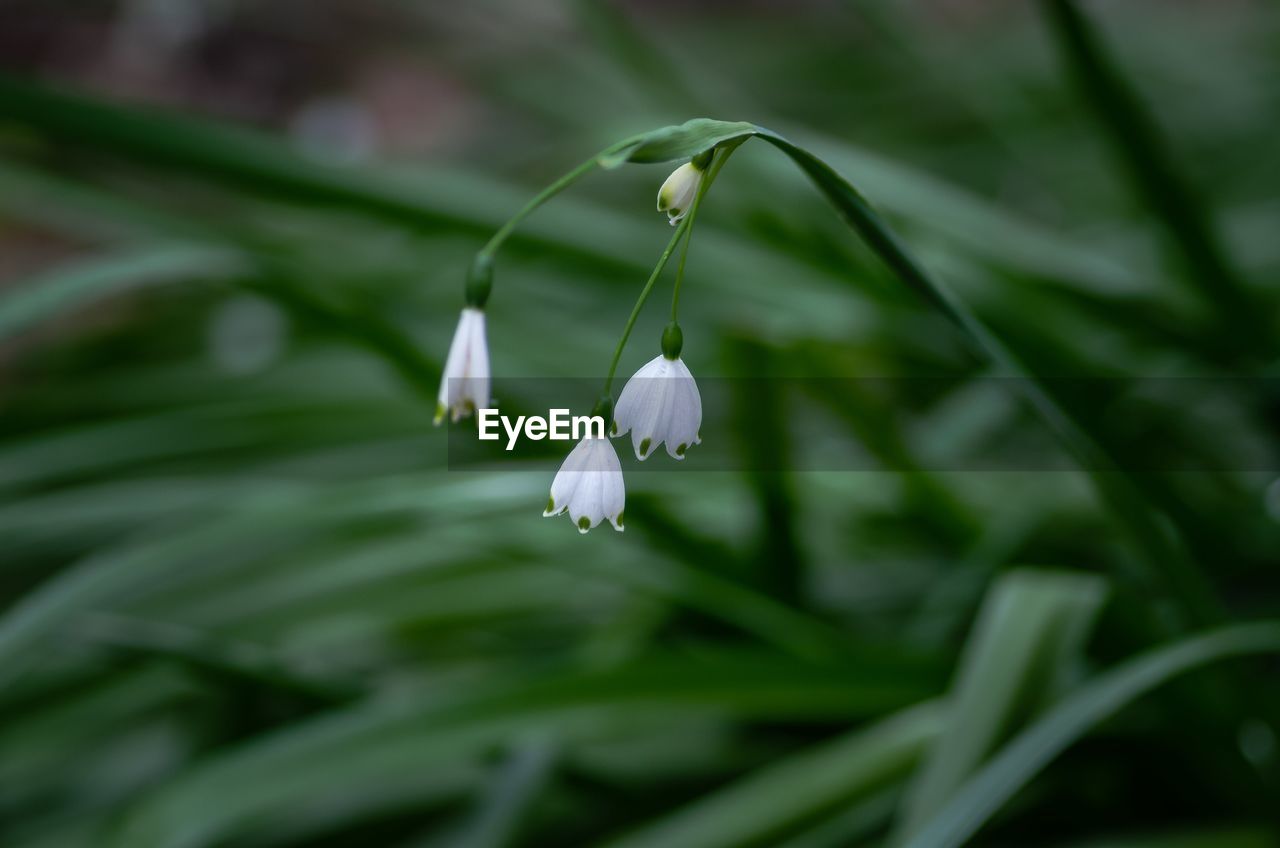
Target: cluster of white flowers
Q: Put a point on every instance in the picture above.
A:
(659, 405)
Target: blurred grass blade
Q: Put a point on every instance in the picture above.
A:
(1169, 567)
(215, 150)
(1227, 837)
(777, 797)
(1135, 136)
(1033, 749)
(500, 811)
(84, 282)
(196, 649)
(850, 826)
(1030, 625)
(393, 740)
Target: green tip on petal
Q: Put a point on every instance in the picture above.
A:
(644, 447)
(551, 507)
(440, 411)
(618, 523)
(680, 450)
(584, 524)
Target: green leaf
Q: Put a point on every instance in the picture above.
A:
(1146, 156)
(804, 785)
(1031, 624)
(393, 740)
(1169, 566)
(498, 815)
(678, 142)
(68, 288)
(1030, 751)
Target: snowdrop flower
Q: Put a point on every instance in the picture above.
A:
(464, 387)
(660, 403)
(589, 486)
(678, 192)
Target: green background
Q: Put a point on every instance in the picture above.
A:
(244, 602)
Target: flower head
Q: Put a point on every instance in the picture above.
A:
(464, 387)
(589, 486)
(678, 192)
(660, 403)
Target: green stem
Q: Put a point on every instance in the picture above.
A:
(681, 229)
(491, 247)
(684, 256)
(722, 156)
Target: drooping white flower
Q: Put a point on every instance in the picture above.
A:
(677, 193)
(464, 387)
(660, 403)
(589, 486)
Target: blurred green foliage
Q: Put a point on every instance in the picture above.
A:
(246, 604)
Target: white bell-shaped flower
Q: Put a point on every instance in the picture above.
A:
(678, 192)
(464, 387)
(589, 486)
(660, 403)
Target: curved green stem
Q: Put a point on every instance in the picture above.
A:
(681, 229)
(491, 246)
(722, 156)
(601, 159)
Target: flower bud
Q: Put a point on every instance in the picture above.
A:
(678, 192)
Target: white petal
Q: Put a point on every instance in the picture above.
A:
(630, 402)
(589, 486)
(464, 385)
(634, 397)
(568, 479)
(476, 384)
(614, 496)
(585, 510)
(586, 507)
(678, 192)
(650, 425)
(686, 413)
(452, 367)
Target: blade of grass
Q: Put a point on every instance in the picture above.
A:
(397, 738)
(205, 147)
(779, 796)
(498, 814)
(84, 282)
(1031, 623)
(983, 794)
(1168, 565)
(1141, 145)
